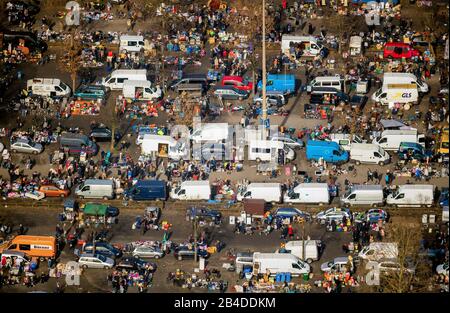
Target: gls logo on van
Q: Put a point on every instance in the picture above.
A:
(406, 95)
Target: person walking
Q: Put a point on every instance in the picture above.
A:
(387, 178)
(290, 231)
(369, 176)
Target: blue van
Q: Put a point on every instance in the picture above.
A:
(147, 190)
(284, 83)
(330, 151)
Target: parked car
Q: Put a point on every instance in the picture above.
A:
(336, 265)
(273, 99)
(90, 260)
(230, 93)
(292, 143)
(204, 213)
(26, 146)
(133, 263)
(237, 82)
(91, 92)
(54, 191)
(442, 269)
(389, 266)
(102, 248)
(291, 212)
(148, 252)
(443, 197)
(101, 134)
(183, 252)
(336, 214)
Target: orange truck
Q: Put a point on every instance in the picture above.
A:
(42, 247)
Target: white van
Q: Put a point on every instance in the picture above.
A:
(405, 78)
(131, 43)
(346, 140)
(412, 196)
(364, 195)
(141, 90)
(379, 250)
(270, 192)
(151, 144)
(214, 132)
(396, 93)
(368, 153)
(279, 263)
(48, 87)
(308, 193)
(116, 79)
(312, 47)
(335, 82)
(391, 139)
(295, 247)
(192, 190)
(268, 150)
(96, 188)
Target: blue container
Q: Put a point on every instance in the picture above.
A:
(288, 277)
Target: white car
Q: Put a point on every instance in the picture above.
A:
(26, 146)
(89, 260)
(336, 265)
(148, 252)
(291, 143)
(442, 269)
(336, 214)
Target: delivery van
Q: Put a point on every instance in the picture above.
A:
(346, 140)
(391, 139)
(77, 143)
(192, 190)
(283, 83)
(96, 188)
(131, 43)
(330, 152)
(379, 250)
(368, 153)
(311, 47)
(269, 150)
(42, 247)
(274, 263)
(364, 195)
(270, 192)
(116, 79)
(147, 190)
(412, 196)
(295, 247)
(48, 87)
(405, 78)
(141, 90)
(334, 82)
(213, 132)
(308, 193)
(396, 93)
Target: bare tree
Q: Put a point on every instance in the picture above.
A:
(71, 61)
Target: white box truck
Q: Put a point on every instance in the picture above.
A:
(274, 263)
(141, 90)
(364, 195)
(396, 93)
(214, 132)
(295, 247)
(96, 188)
(311, 47)
(405, 78)
(308, 193)
(270, 192)
(412, 196)
(116, 79)
(192, 190)
(379, 250)
(368, 153)
(390, 139)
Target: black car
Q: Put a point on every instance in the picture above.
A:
(101, 134)
(132, 263)
(183, 252)
(204, 213)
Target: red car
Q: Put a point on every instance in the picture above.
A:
(237, 82)
(398, 50)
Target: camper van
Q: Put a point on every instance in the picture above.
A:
(42, 247)
(364, 195)
(308, 193)
(268, 150)
(214, 132)
(405, 78)
(270, 192)
(96, 188)
(391, 139)
(116, 79)
(141, 90)
(396, 93)
(295, 247)
(192, 190)
(131, 43)
(379, 250)
(48, 87)
(412, 196)
(335, 82)
(368, 153)
(311, 47)
(279, 263)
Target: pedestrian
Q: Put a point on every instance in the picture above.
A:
(376, 176)
(369, 175)
(290, 231)
(387, 178)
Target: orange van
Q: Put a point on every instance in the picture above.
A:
(42, 247)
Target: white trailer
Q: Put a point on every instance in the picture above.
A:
(308, 193)
(141, 90)
(368, 153)
(270, 192)
(412, 196)
(274, 263)
(192, 190)
(391, 139)
(364, 195)
(379, 250)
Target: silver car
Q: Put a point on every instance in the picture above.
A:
(89, 260)
(26, 146)
(148, 252)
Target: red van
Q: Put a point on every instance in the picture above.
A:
(398, 50)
